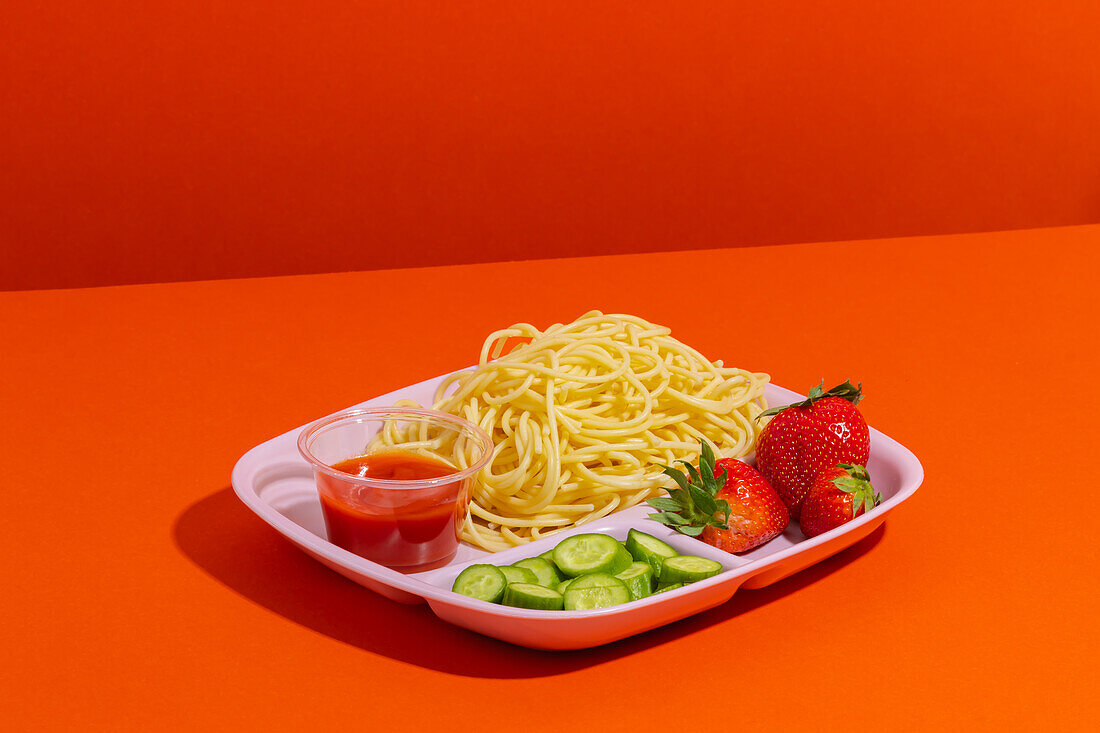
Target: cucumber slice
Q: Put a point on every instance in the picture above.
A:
(532, 595)
(638, 579)
(591, 553)
(648, 549)
(564, 584)
(548, 556)
(546, 573)
(594, 580)
(688, 569)
(599, 591)
(484, 582)
(670, 586)
(514, 574)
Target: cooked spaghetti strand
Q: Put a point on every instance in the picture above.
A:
(583, 415)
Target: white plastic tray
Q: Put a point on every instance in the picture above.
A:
(277, 484)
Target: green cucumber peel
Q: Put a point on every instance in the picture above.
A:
(546, 572)
(515, 574)
(481, 581)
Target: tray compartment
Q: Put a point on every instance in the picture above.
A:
(616, 525)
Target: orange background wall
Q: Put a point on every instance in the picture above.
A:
(221, 138)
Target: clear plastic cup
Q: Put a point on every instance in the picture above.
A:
(395, 481)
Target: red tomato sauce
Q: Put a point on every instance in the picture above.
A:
(403, 528)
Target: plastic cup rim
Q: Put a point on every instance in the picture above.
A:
(378, 413)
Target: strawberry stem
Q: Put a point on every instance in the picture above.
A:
(858, 484)
(693, 504)
(847, 391)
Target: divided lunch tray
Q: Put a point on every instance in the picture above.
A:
(275, 482)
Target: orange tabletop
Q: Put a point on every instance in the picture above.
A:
(141, 594)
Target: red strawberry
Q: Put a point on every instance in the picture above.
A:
(727, 505)
(808, 436)
(838, 495)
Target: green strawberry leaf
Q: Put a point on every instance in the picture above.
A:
(693, 474)
(665, 518)
(858, 484)
(720, 480)
(680, 496)
(847, 485)
(665, 504)
(856, 471)
(703, 500)
(847, 391)
(706, 460)
(677, 476)
(693, 505)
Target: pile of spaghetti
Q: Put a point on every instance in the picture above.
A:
(582, 417)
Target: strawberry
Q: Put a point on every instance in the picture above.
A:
(726, 504)
(802, 439)
(838, 495)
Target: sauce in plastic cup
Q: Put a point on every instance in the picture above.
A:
(395, 482)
